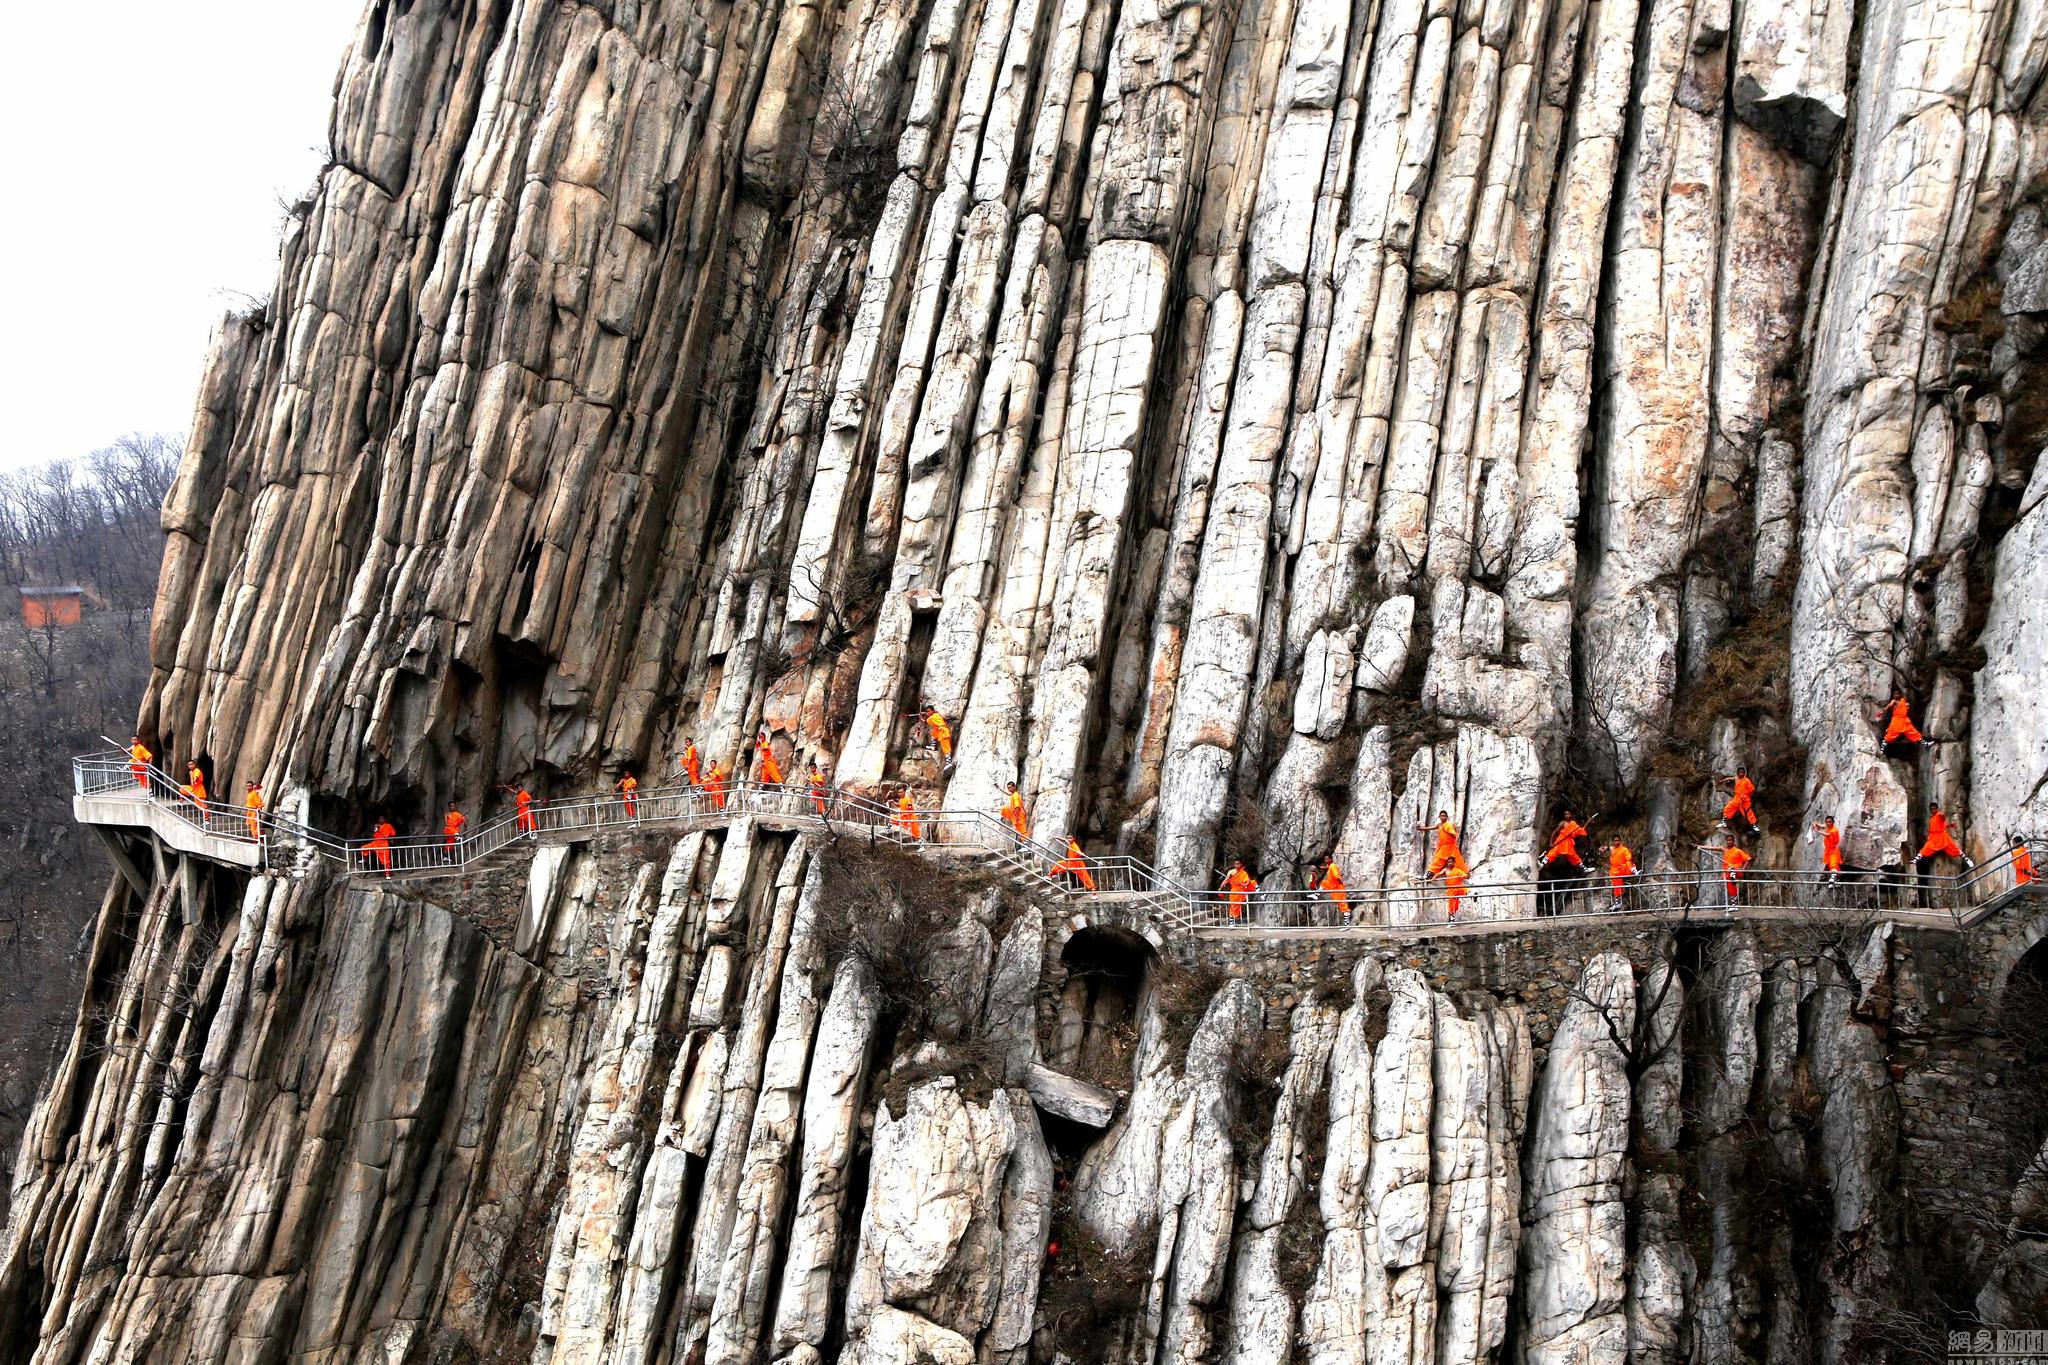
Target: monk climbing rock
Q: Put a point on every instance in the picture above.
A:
(1621, 865)
(377, 852)
(693, 764)
(941, 733)
(1739, 801)
(1830, 848)
(1331, 884)
(1237, 885)
(252, 806)
(1940, 842)
(1897, 719)
(138, 761)
(1013, 810)
(766, 769)
(1073, 866)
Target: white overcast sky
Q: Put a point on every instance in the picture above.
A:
(147, 146)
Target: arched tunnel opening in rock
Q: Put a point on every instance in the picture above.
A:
(1095, 1035)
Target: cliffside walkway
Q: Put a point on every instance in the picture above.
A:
(107, 796)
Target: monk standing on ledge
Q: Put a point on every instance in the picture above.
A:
(138, 761)
(1237, 885)
(252, 803)
(693, 765)
(451, 830)
(1013, 810)
(629, 789)
(195, 775)
(816, 777)
(905, 818)
(766, 769)
(714, 785)
(1332, 885)
(522, 801)
(1739, 801)
(378, 850)
(1621, 865)
(1830, 848)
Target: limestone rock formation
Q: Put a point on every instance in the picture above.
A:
(1256, 428)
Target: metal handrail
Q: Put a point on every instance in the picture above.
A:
(1130, 879)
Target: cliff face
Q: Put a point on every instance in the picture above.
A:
(1258, 427)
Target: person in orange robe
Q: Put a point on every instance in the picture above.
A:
(629, 789)
(816, 777)
(1564, 843)
(1013, 810)
(1897, 719)
(138, 761)
(693, 764)
(1940, 842)
(767, 770)
(1830, 848)
(1456, 878)
(2022, 861)
(1074, 865)
(1446, 851)
(451, 831)
(378, 850)
(1237, 885)
(714, 785)
(522, 800)
(1332, 885)
(252, 806)
(905, 818)
(1733, 859)
(195, 775)
(1621, 865)
(941, 732)
(1739, 800)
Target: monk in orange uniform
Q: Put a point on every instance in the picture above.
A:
(1456, 878)
(1830, 848)
(940, 731)
(1564, 843)
(1013, 811)
(1446, 851)
(816, 778)
(377, 852)
(1074, 866)
(252, 807)
(1621, 865)
(693, 764)
(1940, 843)
(1733, 859)
(522, 801)
(629, 791)
(138, 761)
(1237, 885)
(905, 818)
(1897, 719)
(1331, 884)
(1739, 800)
(196, 776)
(2022, 861)
(714, 785)
(451, 832)
(766, 769)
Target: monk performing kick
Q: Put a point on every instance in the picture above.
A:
(1446, 851)
(1940, 842)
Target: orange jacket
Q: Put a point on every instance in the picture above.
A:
(1831, 847)
(1900, 726)
(1734, 859)
(452, 825)
(139, 752)
(942, 733)
(1013, 812)
(1621, 861)
(198, 783)
(693, 766)
(2022, 866)
(771, 771)
(714, 783)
